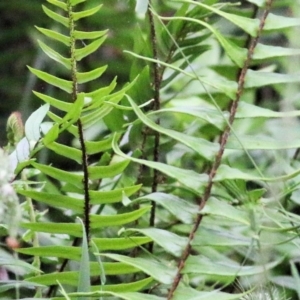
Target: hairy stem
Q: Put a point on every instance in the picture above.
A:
(79, 123)
(156, 106)
(223, 141)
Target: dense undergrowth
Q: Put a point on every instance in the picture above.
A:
(180, 184)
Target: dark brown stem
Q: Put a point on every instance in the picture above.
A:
(156, 106)
(223, 141)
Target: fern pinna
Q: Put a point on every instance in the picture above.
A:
(196, 223)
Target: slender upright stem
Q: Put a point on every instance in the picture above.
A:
(156, 106)
(223, 141)
(79, 123)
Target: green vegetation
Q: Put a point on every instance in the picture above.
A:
(176, 179)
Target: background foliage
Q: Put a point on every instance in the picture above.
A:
(177, 201)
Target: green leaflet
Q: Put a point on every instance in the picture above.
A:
(171, 242)
(84, 282)
(67, 252)
(91, 75)
(219, 208)
(57, 228)
(62, 84)
(59, 4)
(204, 148)
(183, 210)
(99, 146)
(247, 110)
(56, 17)
(96, 172)
(54, 200)
(117, 220)
(266, 51)
(66, 62)
(248, 25)
(86, 13)
(90, 48)
(275, 22)
(192, 180)
(113, 196)
(219, 83)
(183, 292)
(261, 142)
(120, 243)
(212, 116)
(213, 237)
(116, 295)
(256, 79)
(24, 266)
(83, 35)
(223, 268)
(75, 2)
(161, 271)
(64, 106)
(60, 174)
(66, 151)
(54, 35)
(226, 172)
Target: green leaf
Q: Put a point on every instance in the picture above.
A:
(223, 268)
(119, 219)
(86, 13)
(59, 4)
(84, 283)
(125, 287)
(218, 238)
(8, 261)
(261, 142)
(171, 242)
(33, 123)
(90, 35)
(248, 25)
(90, 48)
(64, 106)
(57, 228)
(89, 76)
(54, 35)
(98, 146)
(256, 79)
(61, 175)
(107, 171)
(161, 271)
(106, 197)
(68, 126)
(75, 2)
(71, 278)
(56, 17)
(7, 285)
(67, 252)
(219, 208)
(266, 51)
(192, 180)
(183, 292)
(183, 210)
(66, 62)
(275, 22)
(203, 147)
(54, 200)
(247, 110)
(212, 116)
(120, 243)
(66, 151)
(62, 84)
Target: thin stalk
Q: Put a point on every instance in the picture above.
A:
(223, 140)
(79, 123)
(156, 106)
